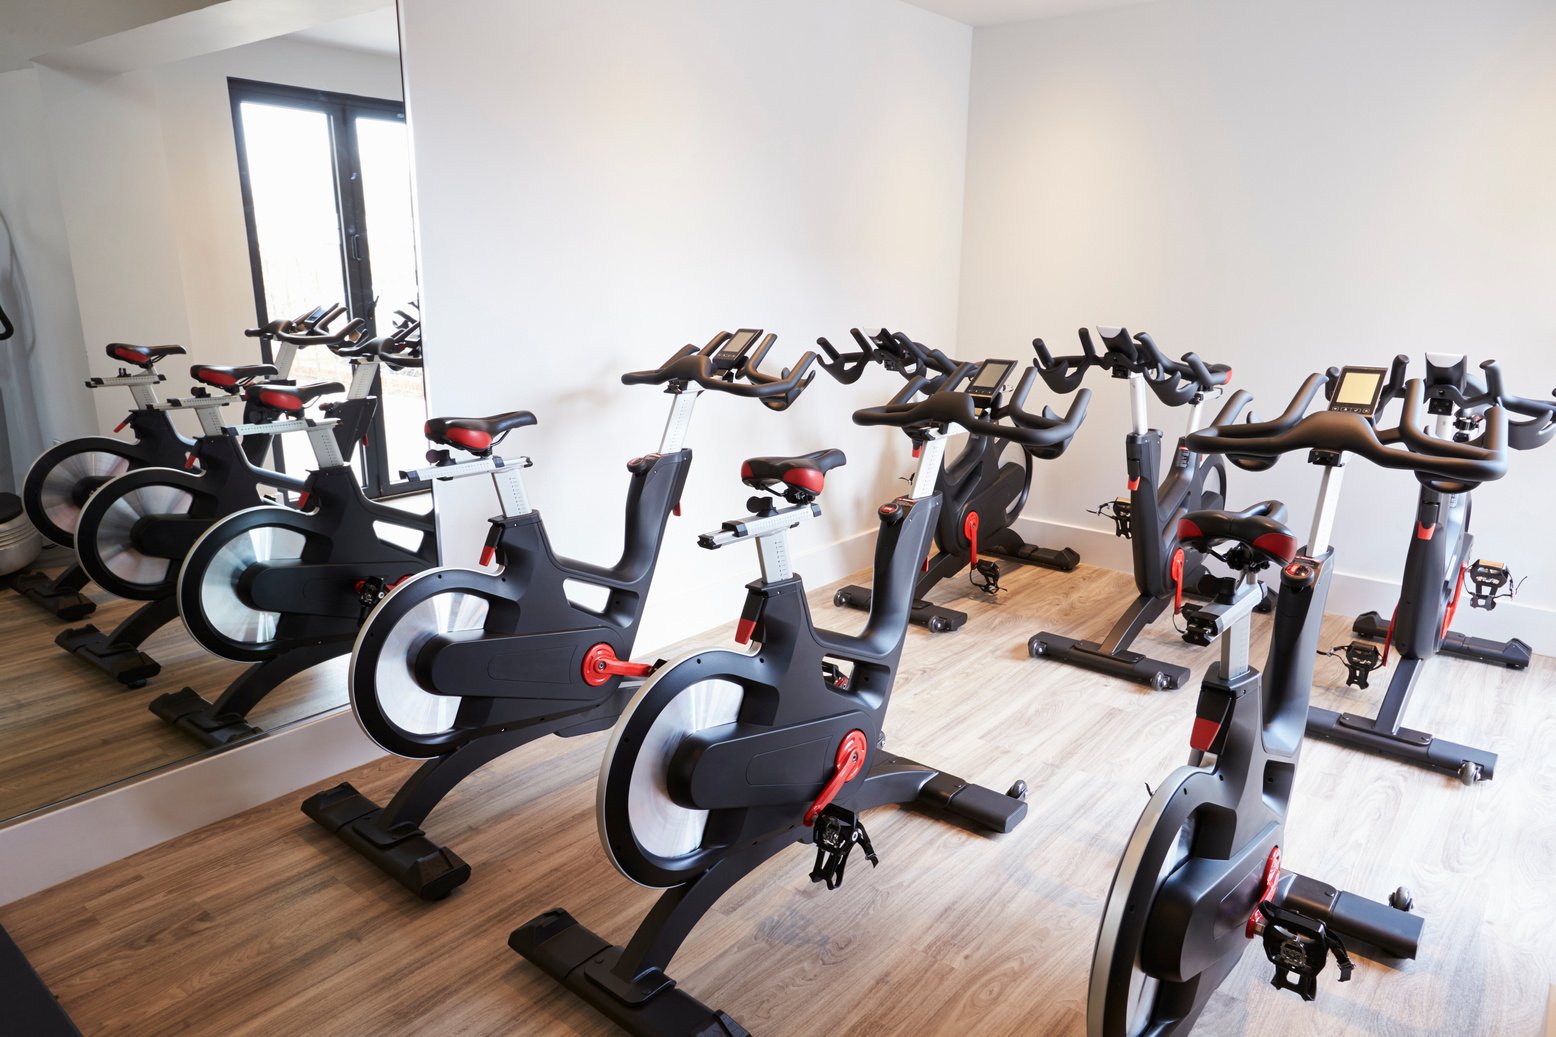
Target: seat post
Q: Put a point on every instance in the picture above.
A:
(679, 424)
(930, 457)
(511, 497)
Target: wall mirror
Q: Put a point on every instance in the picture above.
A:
(255, 178)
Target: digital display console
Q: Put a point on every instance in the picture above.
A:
(1358, 390)
(990, 378)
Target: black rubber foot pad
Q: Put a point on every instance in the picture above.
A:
(39, 589)
(403, 852)
(651, 1005)
(125, 664)
(190, 713)
(1153, 673)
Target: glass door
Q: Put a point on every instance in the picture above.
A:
(327, 198)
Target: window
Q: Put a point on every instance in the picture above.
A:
(327, 198)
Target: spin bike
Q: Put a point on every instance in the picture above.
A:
(982, 490)
(1201, 876)
(137, 528)
(287, 589)
(458, 667)
(64, 476)
(1148, 517)
(1437, 566)
(726, 758)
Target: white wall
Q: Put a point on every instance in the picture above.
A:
(601, 182)
(42, 367)
(1282, 186)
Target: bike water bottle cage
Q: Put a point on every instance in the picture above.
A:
(730, 363)
(476, 435)
(144, 357)
(231, 380)
(291, 399)
(798, 480)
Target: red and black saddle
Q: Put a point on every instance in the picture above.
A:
(475, 434)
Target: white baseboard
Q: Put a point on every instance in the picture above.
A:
(1349, 594)
(72, 838)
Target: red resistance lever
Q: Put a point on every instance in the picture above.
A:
(970, 531)
(1271, 880)
(600, 665)
(1177, 578)
(850, 761)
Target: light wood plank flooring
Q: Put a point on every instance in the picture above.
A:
(67, 728)
(262, 924)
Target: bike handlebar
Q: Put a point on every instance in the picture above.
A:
(693, 365)
(1442, 465)
(1175, 382)
(893, 350)
(950, 406)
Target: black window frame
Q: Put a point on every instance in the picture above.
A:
(355, 257)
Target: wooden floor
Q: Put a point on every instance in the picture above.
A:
(262, 924)
(67, 728)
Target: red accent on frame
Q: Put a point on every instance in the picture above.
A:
(486, 554)
(1134, 484)
(1188, 529)
(677, 509)
(743, 630)
(1176, 571)
(1425, 532)
(600, 665)
(1388, 639)
(970, 531)
(848, 765)
(302, 501)
(1453, 606)
(189, 462)
(120, 427)
(1204, 734)
(1271, 880)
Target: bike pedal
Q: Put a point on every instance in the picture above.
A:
(1361, 658)
(1488, 579)
(1299, 946)
(838, 831)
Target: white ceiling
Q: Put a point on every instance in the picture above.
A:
(1000, 12)
(376, 32)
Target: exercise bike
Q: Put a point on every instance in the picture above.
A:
(458, 667)
(59, 482)
(726, 758)
(982, 490)
(1437, 567)
(287, 589)
(1148, 518)
(1201, 876)
(136, 529)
